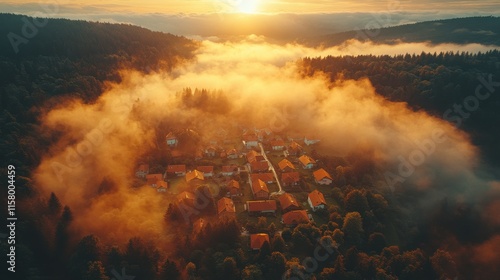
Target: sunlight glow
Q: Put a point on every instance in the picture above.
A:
(247, 6)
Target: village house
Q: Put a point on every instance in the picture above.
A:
(175, 170)
(278, 145)
(259, 167)
(195, 177)
(322, 177)
(291, 181)
(233, 188)
(310, 141)
(152, 179)
(254, 156)
(316, 200)
(257, 240)
(230, 170)
(208, 171)
(260, 190)
(226, 208)
(171, 140)
(250, 140)
(232, 154)
(142, 171)
(295, 217)
(261, 207)
(162, 186)
(295, 149)
(288, 203)
(210, 151)
(286, 166)
(186, 199)
(268, 177)
(307, 162)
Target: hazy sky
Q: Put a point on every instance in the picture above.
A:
(265, 6)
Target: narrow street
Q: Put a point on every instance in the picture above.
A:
(272, 169)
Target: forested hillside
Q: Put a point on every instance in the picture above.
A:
(67, 58)
(481, 30)
(434, 83)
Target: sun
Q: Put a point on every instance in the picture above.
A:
(247, 6)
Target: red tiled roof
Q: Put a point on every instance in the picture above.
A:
(287, 200)
(162, 184)
(195, 174)
(176, 168)
(295, 217)
(261, 205)
(305, 160)
(258, 186)
(320, 174)
(225, 205)
(257, 240)
(285, 163)
(205, 169)
(316, 198)
(290, 177)
(233, 184)
(186, 197)
(278, 143)
(252, 156)
(259, 166)
(153, 178)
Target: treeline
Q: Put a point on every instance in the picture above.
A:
(433, 82)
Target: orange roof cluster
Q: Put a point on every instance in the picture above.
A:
(261, 205)
(257, 240)
(295, 217)
(225, 205)
(195, 174)
(259, 166)
(287, 200)
(317, 198)
(320, 174)
(305, 160)
(258, 186)
(285, 163)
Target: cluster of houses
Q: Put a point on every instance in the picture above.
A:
(261, 173)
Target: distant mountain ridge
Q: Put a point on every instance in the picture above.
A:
(481, 30)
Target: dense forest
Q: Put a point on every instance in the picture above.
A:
(481, 30)
(366, 235)
(433, 83)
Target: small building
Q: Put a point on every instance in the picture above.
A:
(208, 171)
(226, 208)
(259, 166)
(175, 170)
(152, 179)
(230, 170)
(288, 203)
(254, 156)
(257, 240)
(295, 217)
(322, 177)
(260, 190)
(210, 151)
(267, 177)
(261, 207)
(307, 162)
(142, 171)
(250, 140)
(295, 149)
(171, 140)
(195, 177)
(233, 188)
(286, 166)
(316, 200)
(186, 199)
(310, 141)
(291, 181)
(162, 186)
(232, 154)
(278, 145)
